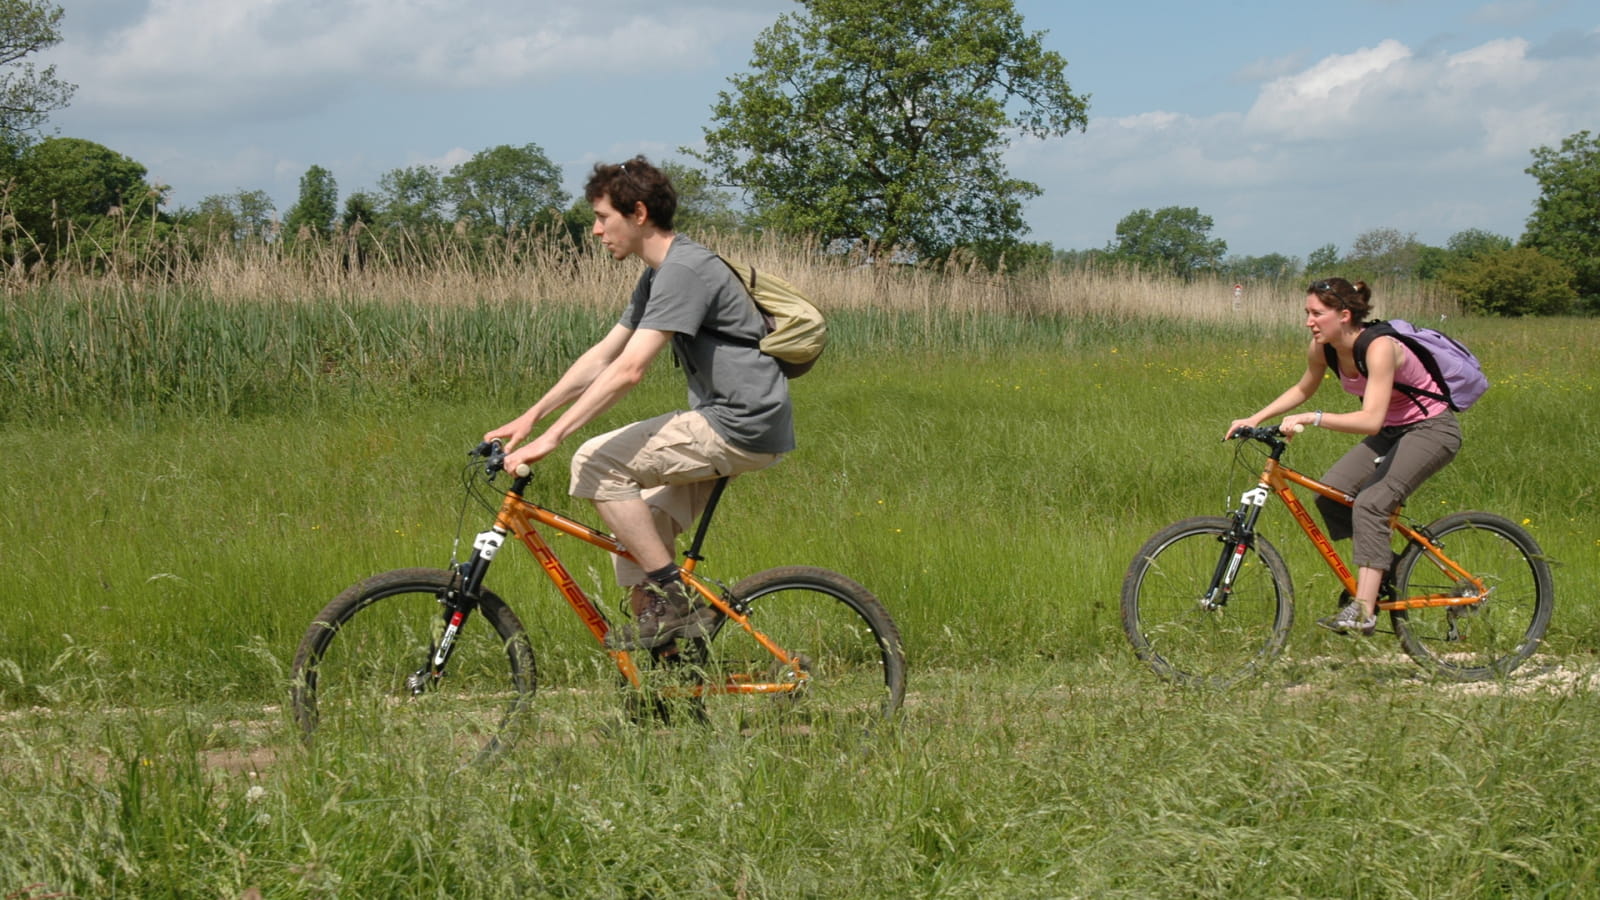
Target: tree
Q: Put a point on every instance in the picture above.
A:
(313, 214)
(27, 94)
(1565, 224)
(885, 121)
(507, 187)
(411, 198)
(1461, 249)
(1475, 242)
(1323, 261)
(1272, 267)
(69, 185)
(360, 211)
(1172, 240)
(1514, 282)
(702, 206)
(355, 225)
(1384, 252)
(240, 216)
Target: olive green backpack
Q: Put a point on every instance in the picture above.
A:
(796, 329)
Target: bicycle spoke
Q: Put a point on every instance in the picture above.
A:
(1492, 636)
(1187, 640)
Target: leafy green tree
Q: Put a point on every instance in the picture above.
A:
(355, 226)
(411, 198)
(1384, 252)
(313, 214)
(1565, 224)
(68, 186)
(360, 210)
(1323, 261)
(1011, 256)
(1271, 267)
(28, 94)
(1519, 281)
(1173, 240)
(240, 216)
(702, 205)
(1080, 259)
(1463, 247)
(1475, 242)
(507, 187)
(1432, 262)
(885, 121)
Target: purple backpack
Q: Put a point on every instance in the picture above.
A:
(1451, 365)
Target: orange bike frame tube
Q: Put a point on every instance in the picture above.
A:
(1278, 477)
(517, 516)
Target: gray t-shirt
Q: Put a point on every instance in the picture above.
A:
(715, 326)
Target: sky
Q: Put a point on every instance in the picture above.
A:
(1292, 125)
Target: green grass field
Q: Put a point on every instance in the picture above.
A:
(988, 475)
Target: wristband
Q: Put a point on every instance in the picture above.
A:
(1317, 422)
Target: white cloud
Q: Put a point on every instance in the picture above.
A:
(1378, 137)
(272, 57)
(1326, 93)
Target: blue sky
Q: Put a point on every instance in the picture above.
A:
(1292, 125)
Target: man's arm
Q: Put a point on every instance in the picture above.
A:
(572, 383)
(599, 393)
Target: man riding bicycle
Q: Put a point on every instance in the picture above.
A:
(650, 480)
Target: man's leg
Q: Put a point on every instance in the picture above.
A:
(634, 525)
(675, 457)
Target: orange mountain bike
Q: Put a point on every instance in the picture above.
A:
(398, 656)
(1209, 601)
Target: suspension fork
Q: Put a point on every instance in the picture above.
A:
(1235, 544)
(457, 605)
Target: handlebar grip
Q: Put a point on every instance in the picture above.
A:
(522, 470)
(1296, 428)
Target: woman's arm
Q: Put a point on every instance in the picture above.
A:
(1383, 357)
(1298, 393)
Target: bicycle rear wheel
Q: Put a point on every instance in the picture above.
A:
(1490, 638)
(1171, 628)
(843, 639)
(356, 684)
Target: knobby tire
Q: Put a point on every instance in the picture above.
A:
(349, 682)
(1171, 630)
(1483, 640)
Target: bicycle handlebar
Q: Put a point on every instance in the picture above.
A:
(1266, 434)
(494, 455)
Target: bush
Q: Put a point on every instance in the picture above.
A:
(1516, 282)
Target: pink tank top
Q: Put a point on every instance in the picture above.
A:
(1403, 410)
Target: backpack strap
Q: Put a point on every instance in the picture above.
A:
(1375, 329)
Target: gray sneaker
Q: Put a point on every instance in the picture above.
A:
(669, 616)
(1350, 617)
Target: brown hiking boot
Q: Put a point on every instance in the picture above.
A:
(667, 615)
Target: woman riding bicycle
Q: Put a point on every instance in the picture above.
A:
(1410, 436)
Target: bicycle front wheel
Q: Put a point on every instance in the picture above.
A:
(1180, 636)
(842, 639)
(361, 683)
(1489, 638)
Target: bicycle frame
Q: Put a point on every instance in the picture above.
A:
(1278, 479)
(519, 516)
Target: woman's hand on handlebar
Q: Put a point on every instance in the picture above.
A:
(1293, 425)
(1237, 424)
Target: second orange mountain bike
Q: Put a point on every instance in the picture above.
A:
(1209, 601)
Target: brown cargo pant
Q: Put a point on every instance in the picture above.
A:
(1382, 471)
